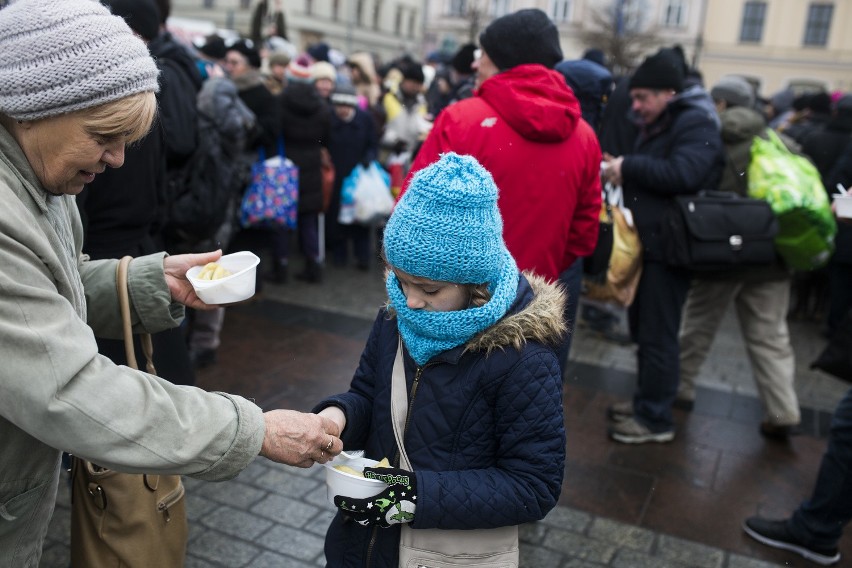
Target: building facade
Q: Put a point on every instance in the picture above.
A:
(451, 23)
(386, 28)
(775, 43)
(780, 43)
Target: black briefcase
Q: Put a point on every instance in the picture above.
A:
(716, 230)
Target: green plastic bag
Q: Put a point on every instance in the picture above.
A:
(792, 186)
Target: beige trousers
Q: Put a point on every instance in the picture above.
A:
(762, 313)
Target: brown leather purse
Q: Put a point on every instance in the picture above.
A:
(124, 519)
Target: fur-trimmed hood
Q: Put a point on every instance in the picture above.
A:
(536, 315)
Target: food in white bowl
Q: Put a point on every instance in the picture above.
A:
(346, 477)
(232, 279)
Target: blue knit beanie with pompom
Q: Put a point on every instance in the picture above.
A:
(447, 227)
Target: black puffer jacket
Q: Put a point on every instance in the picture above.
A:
(485, 432)
(680, 153)
(180, 81)
(305, 125)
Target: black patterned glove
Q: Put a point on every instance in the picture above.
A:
(392, 506)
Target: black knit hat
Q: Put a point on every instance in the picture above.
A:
(213, 47)
(525, 36)
(247, 48)
(142, 16)
(412, 70)
(663, 70)
(463, 59)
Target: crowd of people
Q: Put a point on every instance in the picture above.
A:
(497, 154)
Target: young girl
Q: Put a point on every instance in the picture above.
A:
(484, 435)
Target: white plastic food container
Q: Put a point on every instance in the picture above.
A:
(843, 206)
(340, 483)
(237, 287)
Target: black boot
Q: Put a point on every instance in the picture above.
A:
(312, 272)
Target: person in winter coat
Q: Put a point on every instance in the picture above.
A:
(58, 131)
(123, 209)
(524, 126)
(352, 141)
(760, 295)
(242, 64)
(484, 433)
(305, 126)
(678, 151)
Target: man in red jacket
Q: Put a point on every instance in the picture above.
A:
(524, 126)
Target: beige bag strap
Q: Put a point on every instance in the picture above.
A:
(127, 327)
(399, 406)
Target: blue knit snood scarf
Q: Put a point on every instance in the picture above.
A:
(428, 333)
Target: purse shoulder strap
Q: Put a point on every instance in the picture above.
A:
(399, 405)
(127, 328)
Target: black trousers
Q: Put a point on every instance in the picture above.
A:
(654, 319)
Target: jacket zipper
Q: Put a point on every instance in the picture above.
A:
(414, 386)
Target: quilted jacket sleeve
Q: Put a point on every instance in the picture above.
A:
(357, 403)
(526, 481)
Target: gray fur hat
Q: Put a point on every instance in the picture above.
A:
(60, 56)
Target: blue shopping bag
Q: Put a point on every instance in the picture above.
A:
(272, 198)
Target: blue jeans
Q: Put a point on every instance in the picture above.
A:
(819, 521)
(571, 278)
(654, 318)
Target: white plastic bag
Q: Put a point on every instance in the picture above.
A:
(373, 199)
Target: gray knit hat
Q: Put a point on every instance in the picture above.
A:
(734, 90)
(59, 56)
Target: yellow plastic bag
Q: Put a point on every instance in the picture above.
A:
(625, 261)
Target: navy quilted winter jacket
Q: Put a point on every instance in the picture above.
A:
(486, 437)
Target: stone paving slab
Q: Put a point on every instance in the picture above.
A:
(254, 521)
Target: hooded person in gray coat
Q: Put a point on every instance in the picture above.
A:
(76, 86)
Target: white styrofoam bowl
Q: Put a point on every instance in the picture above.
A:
(340, 483)
(237, 287)
(843, 206)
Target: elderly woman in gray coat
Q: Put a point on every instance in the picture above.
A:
(76, 86)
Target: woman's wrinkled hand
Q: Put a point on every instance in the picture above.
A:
(299, 439)
(181, 289)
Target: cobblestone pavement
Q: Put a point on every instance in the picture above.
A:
(276, 516)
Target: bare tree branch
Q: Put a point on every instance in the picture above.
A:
(622, 37)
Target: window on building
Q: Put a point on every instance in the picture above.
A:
(207, 3)
(377, 14)
(335, 10)
(359, 12)
(309, 7)
(560, 10)
(397, 21)
(500, 8)
(457, 8)
(819, 23)
(245, 4)
(754, 15)
(633, 14)
(674, 14)
(412, 23)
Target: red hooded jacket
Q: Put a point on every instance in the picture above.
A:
(524, 127)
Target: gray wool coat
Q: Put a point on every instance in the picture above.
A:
(57, 393)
